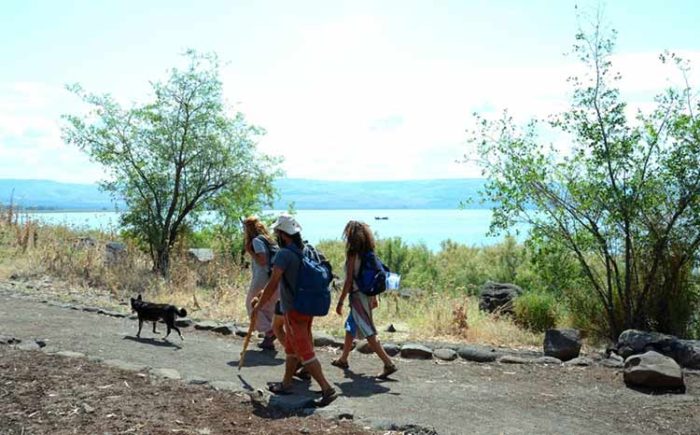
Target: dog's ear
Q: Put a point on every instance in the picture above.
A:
(138, 298)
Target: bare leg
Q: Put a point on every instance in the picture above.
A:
(379, 350)
(316, 372)
(347, 347)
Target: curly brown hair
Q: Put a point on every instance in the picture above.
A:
(358, 238)
(254, 227)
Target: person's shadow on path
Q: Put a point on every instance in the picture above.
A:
(158, 342)
(258, 358)
(361, 385)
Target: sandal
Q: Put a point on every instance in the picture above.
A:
(327, 397)
(279, 388)
(389, 370)
(340, 364)
(302, 374)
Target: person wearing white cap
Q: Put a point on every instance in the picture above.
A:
(298, 344)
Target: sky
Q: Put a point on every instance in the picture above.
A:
(356, 90)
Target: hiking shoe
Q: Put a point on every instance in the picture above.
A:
(327, 397)
(268, 343)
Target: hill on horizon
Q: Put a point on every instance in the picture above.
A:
(303, 193)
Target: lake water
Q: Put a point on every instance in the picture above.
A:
(413, 226)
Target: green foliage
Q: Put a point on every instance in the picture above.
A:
(623, 201)
(175, 157)
(536, 310)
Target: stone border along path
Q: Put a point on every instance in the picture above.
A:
(205, 358)
(410, 350)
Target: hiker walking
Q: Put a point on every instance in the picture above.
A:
(261, 247)
(359, 242)
(286, 269)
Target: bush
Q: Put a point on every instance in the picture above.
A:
(537, 311)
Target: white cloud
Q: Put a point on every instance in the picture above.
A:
(347, 103)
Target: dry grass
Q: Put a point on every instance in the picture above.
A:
(217, 290)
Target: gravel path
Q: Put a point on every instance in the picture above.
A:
(452, 398)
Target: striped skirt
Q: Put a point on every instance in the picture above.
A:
(359, 322)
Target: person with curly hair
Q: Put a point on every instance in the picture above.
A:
(359, 324)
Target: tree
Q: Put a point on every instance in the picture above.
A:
(176, 156)
(624, 201)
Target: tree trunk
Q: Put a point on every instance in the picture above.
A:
(161, 262)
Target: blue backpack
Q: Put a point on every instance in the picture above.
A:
(371, 279)
(313, 293)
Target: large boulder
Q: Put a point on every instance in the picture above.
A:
(564, 344)
(634, 342)
(496, 296)
(115, 253)
(200, 255)
(654, 371)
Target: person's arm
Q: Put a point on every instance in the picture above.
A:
(347, 286)
(270, 288)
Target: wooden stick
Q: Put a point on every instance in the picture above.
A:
(251, 328)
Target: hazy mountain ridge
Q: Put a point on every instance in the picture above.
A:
(304, 194)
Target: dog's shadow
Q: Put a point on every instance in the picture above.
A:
(158, 342)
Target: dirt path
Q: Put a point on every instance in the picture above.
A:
(453, 398)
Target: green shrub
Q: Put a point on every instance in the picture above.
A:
(536, 310)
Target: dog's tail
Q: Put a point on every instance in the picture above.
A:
(182, 312)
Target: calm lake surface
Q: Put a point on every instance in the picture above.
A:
(413, 226)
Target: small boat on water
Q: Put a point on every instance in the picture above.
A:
(381, 218)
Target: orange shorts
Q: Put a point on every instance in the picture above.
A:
(298, 341)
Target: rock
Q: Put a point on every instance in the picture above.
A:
(115, 253)
(200, 255)
(581, 361)
(6, 339)
(363, 347)
(498, 296)
(327, 340)
(548, 360)
(197, 381)
(88, 409)
(69, 354)
(91, 309)
(206, 325)
(166, 373)
(612, 363)
(123, 365)
(227, 329)
(390, 328)
(112, 314)
(654, 371)
(84, 242)
(224, 386)
(416, 351)
(185, 322)
(478, 353)
(445, 354)
(241, 332)
(391, 349)
(685, 352)
(28, 345)
(511, 359)
(564, 344)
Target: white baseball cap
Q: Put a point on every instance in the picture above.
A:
(286, 223)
